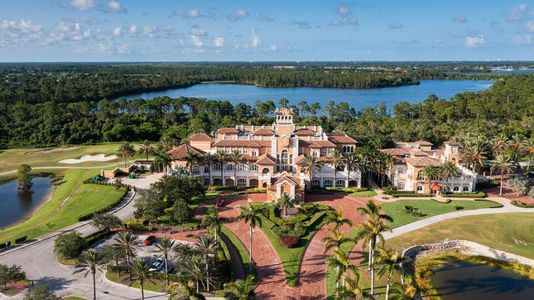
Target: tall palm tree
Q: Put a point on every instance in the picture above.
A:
(334, 239)
(285, 202)
(251, 215)
(309, 165)
(191, 159)
(192, 268)
(336, 160)
(498, 143)
(165, 246)
(141, 273)
(221, 158)
(336, 217)
(516, 144)
(162, 161)
(89, 262)
(209, 160)
(402, 292)
(125, 151)
(235, 159)
(126, 243)
(390, 263)
(341, 262)
(206, 246)
(352, 162)
(146, 148)
(166, 144)
(502, 164)
(353, 288)
(529, 151)
(448, 169)
(431, 173)
(241, 289)
(211, 221)
(474, 153)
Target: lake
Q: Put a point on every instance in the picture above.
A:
(16, 206)
(460, 280)
(357, 98)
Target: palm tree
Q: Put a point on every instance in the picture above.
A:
(529, 151)
(221, 158)
(209, 159)
(206, 246)
(498, 143)
(402, 292)
(235, 159)
(141, 272)
(336, 160)
(335, 239)
(352, 162)
(191, 159)
(125, 151)
(474, 153)
(340, 261)
(448, 169)
(390, 263)
(371, 231)
(165, 246)
(241, 289)
(166, 144)
(192, 268)
(211, 221)
(309, 165)
(336, 217)
(503, 164)
(353, 289)
(285, 202)
(89, 262)
(162, 161)
(125, 242)
(146, 148)
(431, 173)
(516, 144)
(251, 215)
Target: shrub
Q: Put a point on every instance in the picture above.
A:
(479, 194)
(21, 239)
(488, 184)
(69, 245)
(522, 204)
(289, 241)
(520, 185)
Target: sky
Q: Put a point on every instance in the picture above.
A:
(274, 30)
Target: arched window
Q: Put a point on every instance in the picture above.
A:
(216, 167)
(284, 157)
(419, 189)
(254, 153)
(241, 181)
(265, 171)
(466, 189)
(206, 169)
(456, 188)
(340, 182)
(229, 167)
(316, 182)
(420, 175)
(196, 170)
(254, 167)
(327, 182)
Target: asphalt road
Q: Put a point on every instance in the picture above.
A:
(40, 264)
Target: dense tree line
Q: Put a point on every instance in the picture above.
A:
(506, 107)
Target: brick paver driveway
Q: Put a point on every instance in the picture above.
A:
(272, 283)
(313, 268)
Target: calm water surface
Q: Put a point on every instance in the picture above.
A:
(358, 98)
(462, 280)
(15, 206)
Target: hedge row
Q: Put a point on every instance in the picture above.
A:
(522, 204)
(466, 195)
(105, 209)
(348, 189)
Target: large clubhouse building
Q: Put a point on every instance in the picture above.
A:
(411, 158)
(270, 156)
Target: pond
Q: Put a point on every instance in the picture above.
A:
(357, 98)
(16, 206)
(460, 280)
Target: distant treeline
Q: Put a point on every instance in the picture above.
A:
(507, 107)
(37, 83)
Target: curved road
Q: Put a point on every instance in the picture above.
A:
(40, 264)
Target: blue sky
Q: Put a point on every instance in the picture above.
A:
(252, 30)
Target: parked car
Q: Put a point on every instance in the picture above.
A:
(157, 266)
(149, 240)
(220, 203)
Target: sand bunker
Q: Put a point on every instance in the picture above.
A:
(87, 158)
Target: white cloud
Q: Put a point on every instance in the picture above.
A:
(523, 39)
(12, 31)
(530, 26)
(82, 4)
(460, 19)
(117, 31)
(255, 40)
(198, 32)
(237, 15)
(518, 13)
(194, 14)
(475, 41)
(218, 42)
(263, 18)
(132, 29)
(343, 10)
(197, 40)
(345, 17)
(115, 6)
(272, 48)
(149, 31)
(122, 49)
(396, 25)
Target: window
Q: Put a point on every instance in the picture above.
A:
(254, 153)
(400, 186)
(196, 170)
(316, 182)
(216, 167)
(340, 182)
(456, 188)
(265, 171)
(229, 167)
(466, 189)
(323, 152)
(241, 181)
(316, 153)
(420, 176)
(419, 189)
(284, 157)
(206, 169)
(254, 167)
(328, 182)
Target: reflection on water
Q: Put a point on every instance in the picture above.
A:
(460, 280)
(16, 205)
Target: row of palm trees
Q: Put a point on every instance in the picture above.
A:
(381, 260)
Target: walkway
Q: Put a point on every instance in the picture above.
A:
(272, 284)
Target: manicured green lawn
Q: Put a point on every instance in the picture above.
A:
(243, 252)
(73, 298)
(364, 194)
(155, 285)
(428, 208)
(68, 202)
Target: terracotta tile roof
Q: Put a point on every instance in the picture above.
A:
(341, 138)
(299, 158)
(417, 152)
(227, 130)
(266, 160)
(264, 143)
(181, 151)
(249, 158)
(201, 137)
(304, 132)
(422, 161)
(283, 178)
(237, 143)
(453, 143)
(424, 143)
(321, 144)
(395, 151)
(263, 131)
